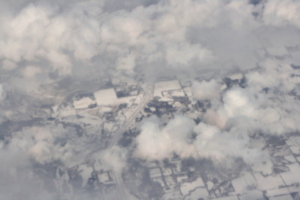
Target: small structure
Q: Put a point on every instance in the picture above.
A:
(83, 103)
(187, 188)
(166, 86)
(104, 177)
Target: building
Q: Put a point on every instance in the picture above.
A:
(106, 97)
(166, 86)
(83, 103)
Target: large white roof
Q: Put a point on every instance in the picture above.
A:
(106, 97)
(166, 86)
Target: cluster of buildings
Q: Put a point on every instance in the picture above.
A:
(104, 110)
(91, 177)
(276, 178)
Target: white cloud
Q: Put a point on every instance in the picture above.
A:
(218, 146)
(266, 102)
(31, 71)
(39, 36)
(268, 105)
(183, 54)
(126, 63)
(8, 65)
(17, 176)
(238, 102)
(114, 158)
(83, 30)
(40, 145)
(206, 90)
(155, 143)
(2, 93)
(280, 13)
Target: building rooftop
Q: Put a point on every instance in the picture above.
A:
(106, 97)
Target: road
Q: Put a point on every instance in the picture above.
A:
(118, 135)
(149, 90)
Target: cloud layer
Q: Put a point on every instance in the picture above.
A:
(267, 105)
(44, 42)
(65, 37)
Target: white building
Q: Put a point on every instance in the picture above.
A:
(161, 88)
(106, 97)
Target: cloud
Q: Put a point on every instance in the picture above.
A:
(31, 71)
(44, 42)
(114, 158)
(17, 175)
(268, 101)
(64, 37)
(33, 34)
(36, 143)
(155, 143)
(2, 93)
(206, 90)
(158, 143)
(214, 144)
(8, 65)
(280, 13)
(267, 104)
(81, 31)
